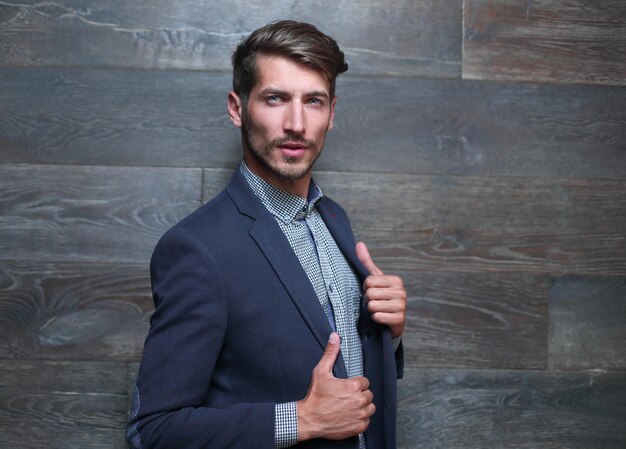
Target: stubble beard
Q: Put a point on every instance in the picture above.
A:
(295, 168)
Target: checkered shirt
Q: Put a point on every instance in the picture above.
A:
(336, 284)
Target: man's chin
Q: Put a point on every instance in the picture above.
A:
(285, 167)
(291, 173)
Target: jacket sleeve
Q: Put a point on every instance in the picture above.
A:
(187, 331)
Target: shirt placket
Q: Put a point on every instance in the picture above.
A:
(339, 309)
(349, 341)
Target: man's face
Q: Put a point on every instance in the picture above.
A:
(284, 125)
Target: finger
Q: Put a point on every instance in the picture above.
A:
(369, 396)
(386, 317)
(331, 351)
(371, 409)
(386, 305)
(364, 256)
(359, 383)
(392, 320)
(386, 284)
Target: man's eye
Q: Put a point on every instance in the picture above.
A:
(315, 101)
(273, 99)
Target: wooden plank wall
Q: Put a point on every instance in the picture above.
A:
(479, 147)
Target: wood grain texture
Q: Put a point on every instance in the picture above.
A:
(588, 323)
(402, 37)
(213, 182)
(95, 214)
(388, 125)
(497, 190)
(480, 224)
(116, 117)
(441, 409)
(484, 224)
(62, 405)
(476, 320)
(69, 311)
(566, 41)
(477, 128)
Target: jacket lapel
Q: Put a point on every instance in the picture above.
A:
(342, 233)
(281, 257)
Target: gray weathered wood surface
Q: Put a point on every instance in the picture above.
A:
(122, 117)
(587, 323)
(402, 37)
(567, 41)
(470, 320)
(479, 148)
(487, 224)
(526, 224)
(62, 404)
(59, 213)
(73, 311)
(512, 409)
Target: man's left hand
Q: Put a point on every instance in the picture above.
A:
(385, 294)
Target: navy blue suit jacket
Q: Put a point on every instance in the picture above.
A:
(237, 328)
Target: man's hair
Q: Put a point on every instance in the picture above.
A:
(298, 41)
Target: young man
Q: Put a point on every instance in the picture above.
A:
(272, 328)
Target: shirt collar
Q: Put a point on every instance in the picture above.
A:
(284, 206)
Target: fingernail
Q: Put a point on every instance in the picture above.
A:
(334, 338)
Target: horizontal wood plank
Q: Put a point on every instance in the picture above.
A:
(95, 214)
(463, 223)
(125, 117)
(511, 409)
(476, 320)
(69, 311)
(588, 323)
(406, 37)
(477, 128)
(116, 117)
(214, 181)
(565, 41)
(480, 224)
(107, 378)
(64, 404)
(20, 435)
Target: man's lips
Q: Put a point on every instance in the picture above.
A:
(292, 145)
(292, 149)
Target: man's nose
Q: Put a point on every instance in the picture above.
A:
(294, 121)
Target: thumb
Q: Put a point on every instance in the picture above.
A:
(331, 352)
(364, 256)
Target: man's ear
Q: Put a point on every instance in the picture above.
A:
(235, 111)
(331, 122)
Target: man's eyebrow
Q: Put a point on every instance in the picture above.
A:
(273, 91)
(283, 93)
(318, 93)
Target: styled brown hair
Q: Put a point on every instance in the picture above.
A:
(298, 41)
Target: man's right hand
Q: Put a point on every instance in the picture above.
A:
(334, 408)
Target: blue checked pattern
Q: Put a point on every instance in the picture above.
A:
(336, 284)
